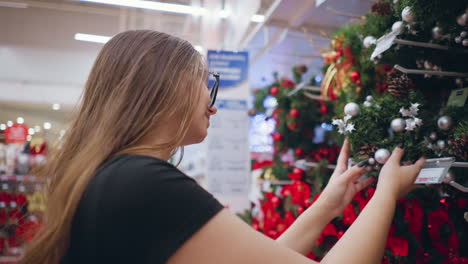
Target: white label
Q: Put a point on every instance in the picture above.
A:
(430, 176)
(384, 43)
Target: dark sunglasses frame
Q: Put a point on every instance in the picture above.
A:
(214, 90)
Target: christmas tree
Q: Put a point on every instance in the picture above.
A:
(406, 87)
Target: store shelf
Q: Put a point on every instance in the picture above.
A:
(20, 178)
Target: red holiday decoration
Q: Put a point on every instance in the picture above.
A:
(294, 112)
(299, 152)
(292, 125)
(277, 136)
(17, 133)
(355, 76)
(398, 246)
(274, 91)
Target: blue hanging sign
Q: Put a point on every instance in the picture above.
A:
(233, 67)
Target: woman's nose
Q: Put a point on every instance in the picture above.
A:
(212, 110)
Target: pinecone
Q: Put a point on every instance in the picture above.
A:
(381, 8)
(460, 147)
(252, 112)
(398, 84)
(367, 150)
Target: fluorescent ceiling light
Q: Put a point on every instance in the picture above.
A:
(56, 107)
(258, 18)
(224, 13)
(198, 48)
(174, 8)
(47, 125)
(92, 38)
(13, 4)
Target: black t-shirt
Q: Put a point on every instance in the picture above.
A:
(137, 209)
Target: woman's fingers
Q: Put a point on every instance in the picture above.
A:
(343, 157)
(363, 184)
(352, 174)
(396, 155)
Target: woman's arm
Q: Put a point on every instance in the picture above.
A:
(341, 189)
(226, 239)
(364, 241)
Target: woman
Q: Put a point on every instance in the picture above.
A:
(113, 198)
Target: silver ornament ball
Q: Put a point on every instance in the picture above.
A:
(428, 65)
(465, 42)
(463, 34)
(371, 161)
(369, 41)
(458, 40)
(369, 98)
(461, 20)
(367, 104)
(407, 15)
(351, 109)
(449, 177)
(433, 136)
(436, 32)
(397, 26)
(445, 122)
(398, 125)
(441, 144)
(382, 155)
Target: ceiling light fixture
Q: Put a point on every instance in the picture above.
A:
(198, 48)
(92, 38)
(13, 4)
(47, 125)
(258, 18)
(158, 6)
(56, 107)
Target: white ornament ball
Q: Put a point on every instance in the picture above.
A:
(369, 98)
(397, 26)
(407, 15)
(398, 125)
(433, 136)
(369, 41)
(465, 42)
(367, 104)
(463, 34)
(351, 109)
(461, 20)
(449, 177)
(371, 161)
(436, 32)
(445, 122)
(428, 65)
(458, 40)
(441, 144)
(382, 155)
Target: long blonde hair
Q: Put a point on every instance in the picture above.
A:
(139, 79)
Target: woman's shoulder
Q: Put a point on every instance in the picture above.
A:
(127, 176)
(136, 167)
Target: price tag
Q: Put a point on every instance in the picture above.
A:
(458, 97)
(384, 43)
(434, 171)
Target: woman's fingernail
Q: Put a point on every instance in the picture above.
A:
(362, 163)
(400, 145)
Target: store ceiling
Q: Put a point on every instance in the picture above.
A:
(41, 63)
